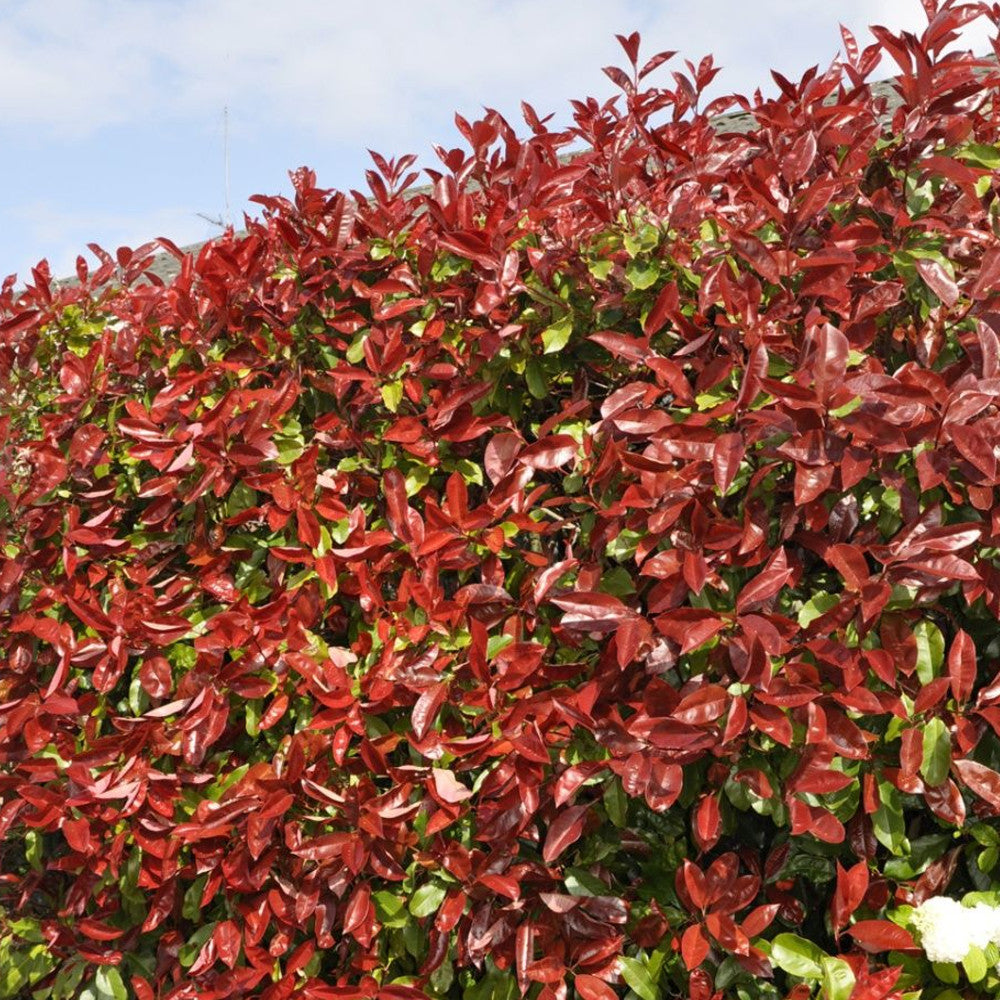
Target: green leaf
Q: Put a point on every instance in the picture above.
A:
(849, 407)
(642, 274)
(442, 978)
(838, 979)
(581, 883)
(616, 802)
(937, 753)
(289, 449)
(33, 849)
(930, 650)
(797, 956)
(68, 980)
(427, 899)
(191, 905)
(417, 477)
(189, 952)
(392, 395)
(618, 582)
(635, 973)
(600, 269)
(556, 337)
(356, 352)
(985, 835)
(923, 850)
(887, 820)
(469, 471)
(816, 607)
(535, 379)
(974, 964)
(22, 969)
(252, 711)
(390, 909)
(947, 972)
(981, 155)
(109, 985)
(240, 498)
(496, 644)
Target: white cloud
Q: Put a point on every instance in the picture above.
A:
(356, 71)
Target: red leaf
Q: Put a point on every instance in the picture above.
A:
(726, 459)
(707, 822)
(426, 709)
(852, 885)
(631, 46)
(227, 939)
(983, 780)
(988, 280)
(448, 787)
(828, 359)
(500, 455)
(881, 935)
(564, 830)
(359, 913)
(938, 280)
(759, 919)
(704, 705)
(77, 834)
(797, 161)
(766, 584)
(658, 60)
(274, 712)
(962, 666)
(667, 302)
(592, 988)
(694, 946)
(549, 453)
(591, 611)
(573, 777)
(690, 880)
(451, 911)
(155, 676)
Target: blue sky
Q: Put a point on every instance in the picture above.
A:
(111, 111)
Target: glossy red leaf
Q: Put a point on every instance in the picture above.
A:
(564, 831)
(983, 780)
(592, 988)
(694, 946)
(852, 884)
(549, 453)
(766, 584)
(726, 458)
(962, 666)
(881, 935)
(448, 787)
(427, 707)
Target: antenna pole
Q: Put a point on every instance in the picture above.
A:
(225, 143)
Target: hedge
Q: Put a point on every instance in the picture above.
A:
(575, 578)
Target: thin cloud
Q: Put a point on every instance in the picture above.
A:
(76, 66)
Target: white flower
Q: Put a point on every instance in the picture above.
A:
(987, 921)
(948, 930)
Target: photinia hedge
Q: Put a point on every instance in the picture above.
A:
(578, 578)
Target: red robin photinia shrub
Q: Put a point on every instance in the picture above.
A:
(578, 578)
